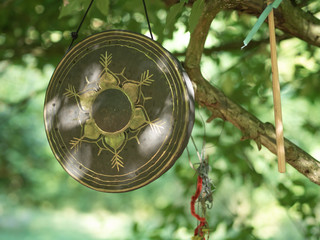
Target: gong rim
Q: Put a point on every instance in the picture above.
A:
(168, 152)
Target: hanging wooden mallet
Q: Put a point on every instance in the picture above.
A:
(268, 12)
(276, 94)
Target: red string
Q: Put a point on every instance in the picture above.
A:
(202, 220)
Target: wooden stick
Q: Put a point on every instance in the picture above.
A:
(276, 95)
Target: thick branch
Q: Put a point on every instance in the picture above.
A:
(289, 18)
(222, 107)
(235, 46)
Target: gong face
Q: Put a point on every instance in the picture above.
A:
(118, 111)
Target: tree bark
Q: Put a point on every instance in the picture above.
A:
(222, 107)
(290, 19)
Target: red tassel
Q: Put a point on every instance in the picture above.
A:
(203, 222)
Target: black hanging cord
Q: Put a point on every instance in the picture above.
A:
(146, 13)
(74, 35)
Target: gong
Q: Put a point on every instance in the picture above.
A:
(118, 111)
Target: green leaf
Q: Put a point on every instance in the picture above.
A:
(174, 11)
(73, 7)
(196, 11)
(103, 6)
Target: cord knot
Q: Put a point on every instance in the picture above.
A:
(74, 35)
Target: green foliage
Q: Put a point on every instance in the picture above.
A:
(172, 16)
(103, 6)
(38, 200)
(196, 11)
(73, 7)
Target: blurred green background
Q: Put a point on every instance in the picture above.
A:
(40, 201)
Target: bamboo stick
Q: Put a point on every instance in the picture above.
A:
(276, 95)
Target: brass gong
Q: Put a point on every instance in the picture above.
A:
(118, 111)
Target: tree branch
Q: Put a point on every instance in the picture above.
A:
(289, 18)
(235, 46)
(222, 107)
